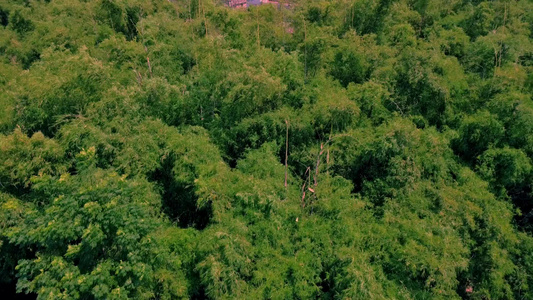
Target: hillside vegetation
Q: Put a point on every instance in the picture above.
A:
(342, 149)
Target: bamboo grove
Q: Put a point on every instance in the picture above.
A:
(341, 149)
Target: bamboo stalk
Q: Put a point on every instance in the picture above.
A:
(138, 76)
(149, 66)
(327, 162)
(305, 52)
(303, 186)
(286, 151)
(257, 20)
(318, 163)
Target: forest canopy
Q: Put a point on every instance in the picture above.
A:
(340, 149)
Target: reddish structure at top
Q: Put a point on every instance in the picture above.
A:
(237, 3)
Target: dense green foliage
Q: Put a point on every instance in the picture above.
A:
(143, 149)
